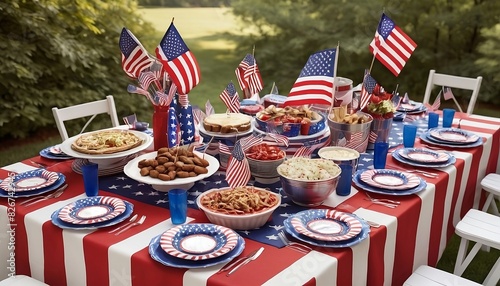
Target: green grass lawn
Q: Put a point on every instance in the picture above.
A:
(203, 30)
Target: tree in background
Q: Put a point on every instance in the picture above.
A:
(455, 37)
(60, 53)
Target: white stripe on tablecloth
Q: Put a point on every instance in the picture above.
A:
(74, 257)
(421, 252)
(467, 123)
(119, 254)
(33, 222)
(334, 200)
(19, 167)
(485, 117)
(306, 268)
(391, 223)
(450, 189)
(4, 243)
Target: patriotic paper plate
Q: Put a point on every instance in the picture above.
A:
(159, 255)
(356, 179)
(31, 180)
(423, 155)
(129, 209)
(326, 225)
(198, 241)
(92, 210)
(390, 179)
(365, 232)
(427, 138)
(401, 159)
(453, 135)
(24, 194)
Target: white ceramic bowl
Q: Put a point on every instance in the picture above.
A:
(237, 221)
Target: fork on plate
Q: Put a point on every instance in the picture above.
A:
(37, 199)
(293, 245)
(141, 221)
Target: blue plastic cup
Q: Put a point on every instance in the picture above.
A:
(433, 120)
(177, 203)
(409, 134)
(448, 115)
(344, 185)
(380, 154)
(90, 179)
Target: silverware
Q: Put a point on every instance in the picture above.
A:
(246, 261)
(423, 173)
(39, 165)
(237, 261)
(384, 202)
(37, 199)
(126, 224)
(141, 220)
(294, 245)
(351, 209)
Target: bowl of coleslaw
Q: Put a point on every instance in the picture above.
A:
(240, 208)
(309, 182)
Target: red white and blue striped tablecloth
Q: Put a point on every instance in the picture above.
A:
(412, 234)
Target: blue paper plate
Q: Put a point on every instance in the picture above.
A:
(59, 182)
(358, 182)
(157, 253)
(365, 231)
(401, 159)
(62, 224)
(427, 139)
(47, 154)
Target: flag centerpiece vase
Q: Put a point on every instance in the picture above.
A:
(379, 131)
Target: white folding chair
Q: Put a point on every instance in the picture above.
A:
(473, 84)
(491, 184)
(481, 228)
(83, 110)
(430, 276)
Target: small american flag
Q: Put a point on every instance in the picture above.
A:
(357, 143)
(134, 57)
(162, 99)
(248, 75)
(304, 151)
(146, 78)
(223, 148)
(198, 116)
(367, 88)
(391, 46)
(238, 170)
(230, 98)
(282, 140)
(447, 93)
(209, 109)
(178, 60)
(435, 105)
(250, 141)
(315, 82)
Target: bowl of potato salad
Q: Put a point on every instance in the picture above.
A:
(308, 182)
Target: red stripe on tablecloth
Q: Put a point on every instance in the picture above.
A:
(21, 251)
(53, 252)
(96, 244)
(376, 257)
(408, 215)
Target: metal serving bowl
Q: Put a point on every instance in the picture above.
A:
(309, 192)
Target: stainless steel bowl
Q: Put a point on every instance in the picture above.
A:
(309, 192)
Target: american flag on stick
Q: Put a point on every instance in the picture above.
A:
(238, 170)
(250, 141)
(231, 98)
(367, 88)
(248, 75)
(178, 60)
(135, 58)
(437, 103)
(391, 46)
(448, 94)
(303, 151)
(315, 82)
(209, 109)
